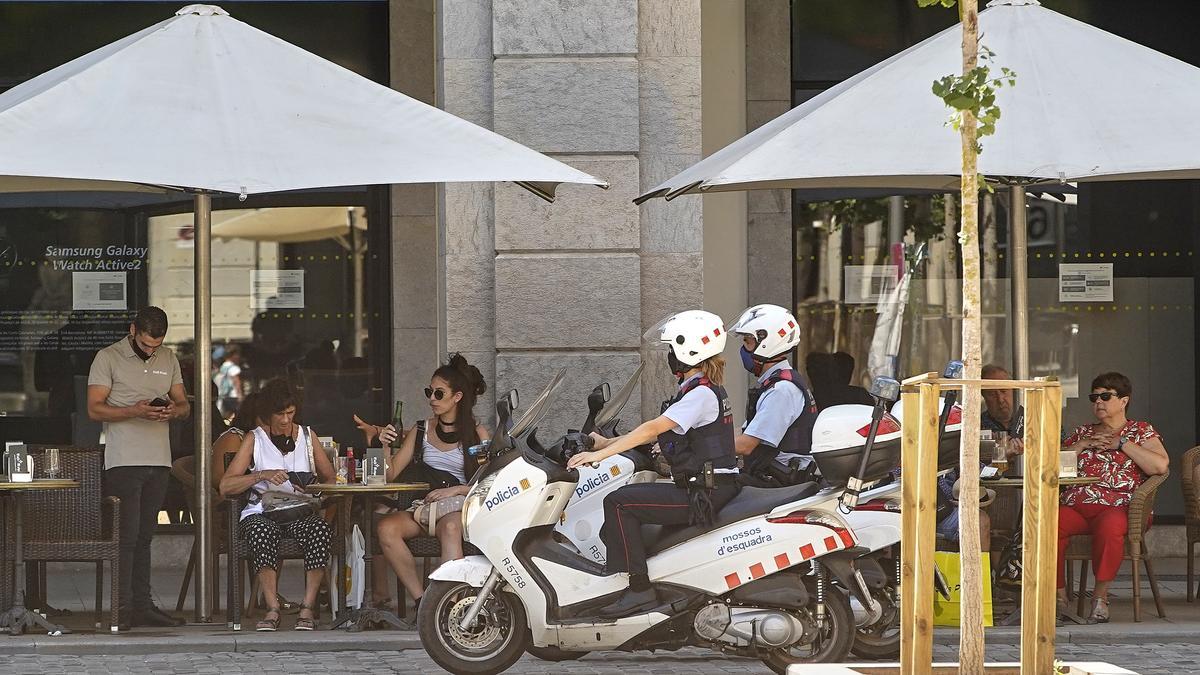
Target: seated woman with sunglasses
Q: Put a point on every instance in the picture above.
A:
(1122, 453)
(268, 453)
(433, 451)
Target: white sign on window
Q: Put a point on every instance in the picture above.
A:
(1085, 282)
(277, 289)
(98, 290)
(868, 284)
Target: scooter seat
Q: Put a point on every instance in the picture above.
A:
(749, 502)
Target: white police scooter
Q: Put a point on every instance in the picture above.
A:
(748, 585)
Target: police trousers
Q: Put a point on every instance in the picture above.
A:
(627, 509)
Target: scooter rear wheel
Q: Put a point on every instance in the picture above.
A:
(492, 645)
(832, 646)
(554, 653)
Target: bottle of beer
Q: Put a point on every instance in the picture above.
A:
(398, 423)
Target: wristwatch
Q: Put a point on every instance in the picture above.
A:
(1121, 443)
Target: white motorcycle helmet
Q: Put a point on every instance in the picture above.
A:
(776, 330)
(693, 336)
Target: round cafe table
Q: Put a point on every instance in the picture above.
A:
(18, 618)
(366, 613)
(1014, 616)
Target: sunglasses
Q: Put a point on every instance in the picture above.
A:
(435, 394)
(1103, 396)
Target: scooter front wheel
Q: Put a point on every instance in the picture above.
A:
(831, 646)
(493, 644)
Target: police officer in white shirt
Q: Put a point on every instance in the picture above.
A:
(694, 434)
(780, 407)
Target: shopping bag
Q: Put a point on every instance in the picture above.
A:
(356, 546)
(947, 612)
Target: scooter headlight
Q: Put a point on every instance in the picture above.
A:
(474, 501)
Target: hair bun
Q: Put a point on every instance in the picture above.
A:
(459, 363)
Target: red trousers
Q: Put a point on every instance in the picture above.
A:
(1106, 524)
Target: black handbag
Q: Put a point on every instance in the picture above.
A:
(418, 471)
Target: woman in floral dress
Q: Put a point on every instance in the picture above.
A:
(1122, 453)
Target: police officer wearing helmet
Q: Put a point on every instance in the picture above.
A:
(695, 435)
(780, 408)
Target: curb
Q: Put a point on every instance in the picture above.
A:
(226, 641)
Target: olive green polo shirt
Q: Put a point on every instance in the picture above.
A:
(137, 441)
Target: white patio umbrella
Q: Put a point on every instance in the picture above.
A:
(204, 103)
(1088, 106)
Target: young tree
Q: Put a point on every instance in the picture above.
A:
(972, 97)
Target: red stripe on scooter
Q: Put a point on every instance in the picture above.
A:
(846, 538)
(830, 543)
(756, 571)
(733, 580)
(782, 561)
(806, 552)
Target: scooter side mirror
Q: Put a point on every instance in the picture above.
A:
(607, 391)
(514, 401)
(954, 370)
(885, 388)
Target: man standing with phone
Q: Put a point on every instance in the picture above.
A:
(135, 388)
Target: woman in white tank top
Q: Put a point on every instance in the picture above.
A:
(275, 447)
(452, 392)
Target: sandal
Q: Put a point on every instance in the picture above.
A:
(1099, 611)
(307, 623)
(267, 624)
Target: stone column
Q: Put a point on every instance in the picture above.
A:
(415, 258)
(768, 95)
(468, 211)
(567, 274)
(672, 233)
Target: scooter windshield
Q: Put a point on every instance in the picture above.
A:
(617, 403)
(535, 412)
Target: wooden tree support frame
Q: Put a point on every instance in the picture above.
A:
(1043, 414)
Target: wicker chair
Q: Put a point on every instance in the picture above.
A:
(1140, 508)
(1191, 512)
(78, 525)
(240, 555)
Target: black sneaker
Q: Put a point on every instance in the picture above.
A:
(630, 602)
(153, 616)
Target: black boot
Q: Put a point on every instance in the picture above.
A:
(629, 603)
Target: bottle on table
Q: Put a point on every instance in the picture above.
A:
(351, 469)
(398, 423)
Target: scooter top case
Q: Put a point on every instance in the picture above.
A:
(949, 442)
(840, 436)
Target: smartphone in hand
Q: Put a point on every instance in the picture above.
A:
(160, 402)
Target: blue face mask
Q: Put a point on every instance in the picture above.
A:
(748, 361)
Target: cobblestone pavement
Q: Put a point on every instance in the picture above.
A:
(1147, 659)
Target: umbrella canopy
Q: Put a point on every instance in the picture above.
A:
(1087, 106)
(203, 101)
(284, 225)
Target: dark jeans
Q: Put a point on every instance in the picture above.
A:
(627, 509)
(141, 490)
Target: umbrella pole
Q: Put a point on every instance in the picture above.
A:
(1018, 238)
(202, 412)
(356, 252)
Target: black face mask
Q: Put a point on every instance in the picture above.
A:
(138, 350)
(284, 442)
(678, 368)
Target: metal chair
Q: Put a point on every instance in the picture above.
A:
(1080, 548)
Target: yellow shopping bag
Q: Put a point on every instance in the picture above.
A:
(946, 612)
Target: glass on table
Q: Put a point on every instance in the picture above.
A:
(1000, 442)
(51, 463)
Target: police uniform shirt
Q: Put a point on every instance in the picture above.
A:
(778, 408)
(697, 408)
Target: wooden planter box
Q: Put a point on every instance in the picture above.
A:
(1072, 668)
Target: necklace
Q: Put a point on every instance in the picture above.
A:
(450, 437)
